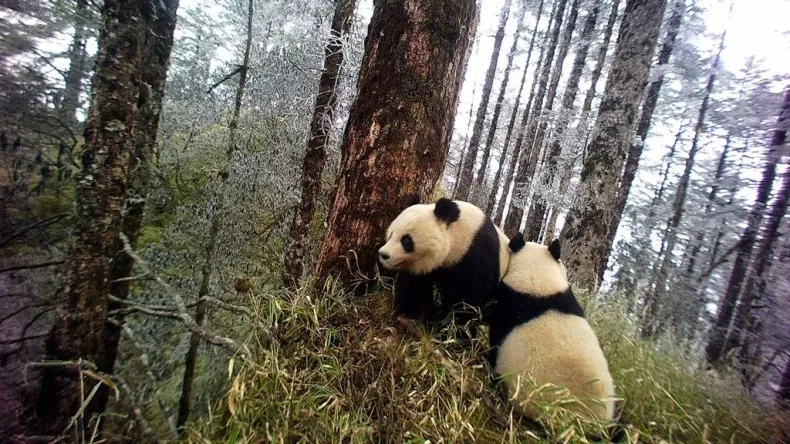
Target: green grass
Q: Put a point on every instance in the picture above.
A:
(335, 369)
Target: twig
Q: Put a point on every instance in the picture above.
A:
(30, 266)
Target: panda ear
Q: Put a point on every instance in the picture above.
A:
(554, 249)
(446, 210)
(517, 243)
(413, 199)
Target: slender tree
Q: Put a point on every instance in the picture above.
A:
(78, 58)
(591, 213)
(320, 130)
(76, 333)
(399, 126)
(715, 347)
(467, 167)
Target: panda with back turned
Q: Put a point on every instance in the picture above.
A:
(450, 244)
(538, 333)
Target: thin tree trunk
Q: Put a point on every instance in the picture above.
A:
(643, 127)
(466, 139)
(399, 126)
(77, 72)
(588, 99)
(530, 153)
(468, 165)
(537, 214)
(158, 45)
(783, 392)
(209, 254)
(492, 128)
(591, 213)
(514, 158)
(652, 325)
(100, 195)
(320, 130)
(715, 347)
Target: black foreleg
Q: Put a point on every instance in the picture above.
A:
(414, 297)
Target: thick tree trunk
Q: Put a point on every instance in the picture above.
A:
(209, 254)
(643, 126)
(492, 128)
(514, 158)
(565, 181)
(320, 130)
(399, 126)
(468, 165)
(100, 195)
(537, 214)
(77, 72)
(498, 176)
(158, 45)
(715, 347)
(592, 210)
(651, 323)
(531, 152)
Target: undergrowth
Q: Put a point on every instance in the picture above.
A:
(335, 369)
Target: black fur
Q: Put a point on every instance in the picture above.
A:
(414, 297)
(446, 210)
(517, 243)
(413, 199)
(554, 249)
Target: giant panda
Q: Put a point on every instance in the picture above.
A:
(450, 244)
(538, 333)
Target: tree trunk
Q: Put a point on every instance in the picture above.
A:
(158, 45)
(537, 214)
(399, 126)
(643, 127)
(651, 325)
(715, 347)
(591, 213)
(531, 152)
(565, 181)
(783, 392)
(467, 167)
(320, 129)
(498, 176)
(100, 194)
(76, 74)
(492, 128)
(514, 158)
(209, 254)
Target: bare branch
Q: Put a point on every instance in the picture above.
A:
(30, 266)
(38, 225)
(718, 262)
(238, 69)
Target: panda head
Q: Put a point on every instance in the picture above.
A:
(536, 269)
(418, 240)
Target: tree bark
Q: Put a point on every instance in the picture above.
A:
(537, 214)
(100, 194)
(158, 45)
(715, 347)
(209, 254)
(498, 176)
(643, 127)
(783, 392)
(399, 126)
(467, 167)
(320, 130)
(531, 152)
(76, 73)
(591, 213)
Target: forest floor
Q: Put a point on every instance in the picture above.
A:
(335, 369)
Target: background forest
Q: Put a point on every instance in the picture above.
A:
(192, 196)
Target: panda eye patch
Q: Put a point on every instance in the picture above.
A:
(407, 243)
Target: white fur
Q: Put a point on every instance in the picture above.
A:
(534, 270)
(562, 350)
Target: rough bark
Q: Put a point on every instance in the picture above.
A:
(158, 45)
(77, 71)
(590, 215)
(320, 130)
(492, 128)
(643, 126)
(399, 126)
(530, 153)
(100, 195)
(537, 214)
(715, 347)
(498, 176)
(207, 266)
(467, 167)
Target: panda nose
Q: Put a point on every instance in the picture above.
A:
(384, 256)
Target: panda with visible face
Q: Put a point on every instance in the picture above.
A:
(451, 244)
(538, 333)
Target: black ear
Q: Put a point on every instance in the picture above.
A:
(413, 199)
(554, 249)
(447, 210)
(517, 242)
